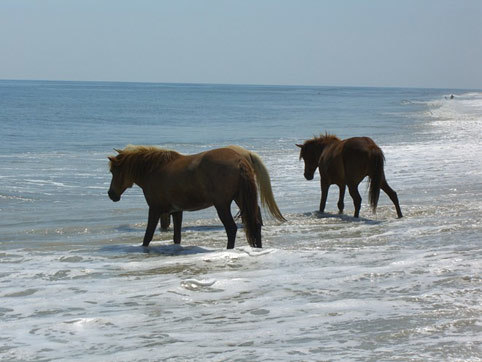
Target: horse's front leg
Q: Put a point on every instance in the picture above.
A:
(177, 220)
(152, 221)
(341, 203)
(324, 196)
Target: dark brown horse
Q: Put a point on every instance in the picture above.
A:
(173, 183)
(347, 163)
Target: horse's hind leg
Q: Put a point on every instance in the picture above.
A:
(341, 203)
(177, 220)
(259, 224)
(224, 213)
(165, 221)
(392, 195)
(355, 195)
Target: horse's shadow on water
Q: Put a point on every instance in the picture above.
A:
(129, 229)
(125, 228)
(203, 228)
(178, 250)
(342, 217)
(167, 250)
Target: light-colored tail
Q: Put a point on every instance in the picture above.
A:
(250, 213)
(262, 180)
(264, 186)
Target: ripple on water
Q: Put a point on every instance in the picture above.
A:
(194, 284)
(21, 293)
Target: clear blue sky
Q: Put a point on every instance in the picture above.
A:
(409, 43)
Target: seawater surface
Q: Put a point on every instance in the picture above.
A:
(76, 285)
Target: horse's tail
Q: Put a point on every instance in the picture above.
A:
(264, 186)
(250, 213)
(262, 180)
(376, 175)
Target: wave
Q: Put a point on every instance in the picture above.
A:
(460, 107)
(14, 197)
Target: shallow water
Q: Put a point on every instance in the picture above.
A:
(76, 285)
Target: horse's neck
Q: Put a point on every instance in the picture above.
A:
(321, 146)
(143, 166)
(329, 142)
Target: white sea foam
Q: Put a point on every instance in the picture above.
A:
(464, 107)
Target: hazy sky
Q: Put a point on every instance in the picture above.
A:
(409, 43)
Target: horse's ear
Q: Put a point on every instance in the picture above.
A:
(300, 146)
(118, 151)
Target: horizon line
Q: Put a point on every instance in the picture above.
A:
(235, 84)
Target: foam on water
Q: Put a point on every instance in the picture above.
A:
(77, 285)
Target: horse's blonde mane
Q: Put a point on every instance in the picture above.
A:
(136, 161)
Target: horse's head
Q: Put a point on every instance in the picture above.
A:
(310, 153)
(120, 179)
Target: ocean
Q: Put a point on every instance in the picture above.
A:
(77, 285)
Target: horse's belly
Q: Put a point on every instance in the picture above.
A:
(191, 206)
(198, 208)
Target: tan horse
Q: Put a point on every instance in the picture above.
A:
(262, 180)
(347, 163)
(172, 183)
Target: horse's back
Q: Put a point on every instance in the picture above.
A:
(359, 143)
(240, 150)
(358, 147)
(220, 164)
(207, 160)
(357, 153)
(221, 157)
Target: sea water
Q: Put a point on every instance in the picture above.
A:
(77, 285)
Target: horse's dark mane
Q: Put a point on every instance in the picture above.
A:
(321, 139)
(326, 138)
(138, 160)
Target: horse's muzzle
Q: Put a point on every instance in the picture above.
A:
(308, 176)
(113, 196)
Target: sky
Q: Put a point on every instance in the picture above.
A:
(409, 43)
